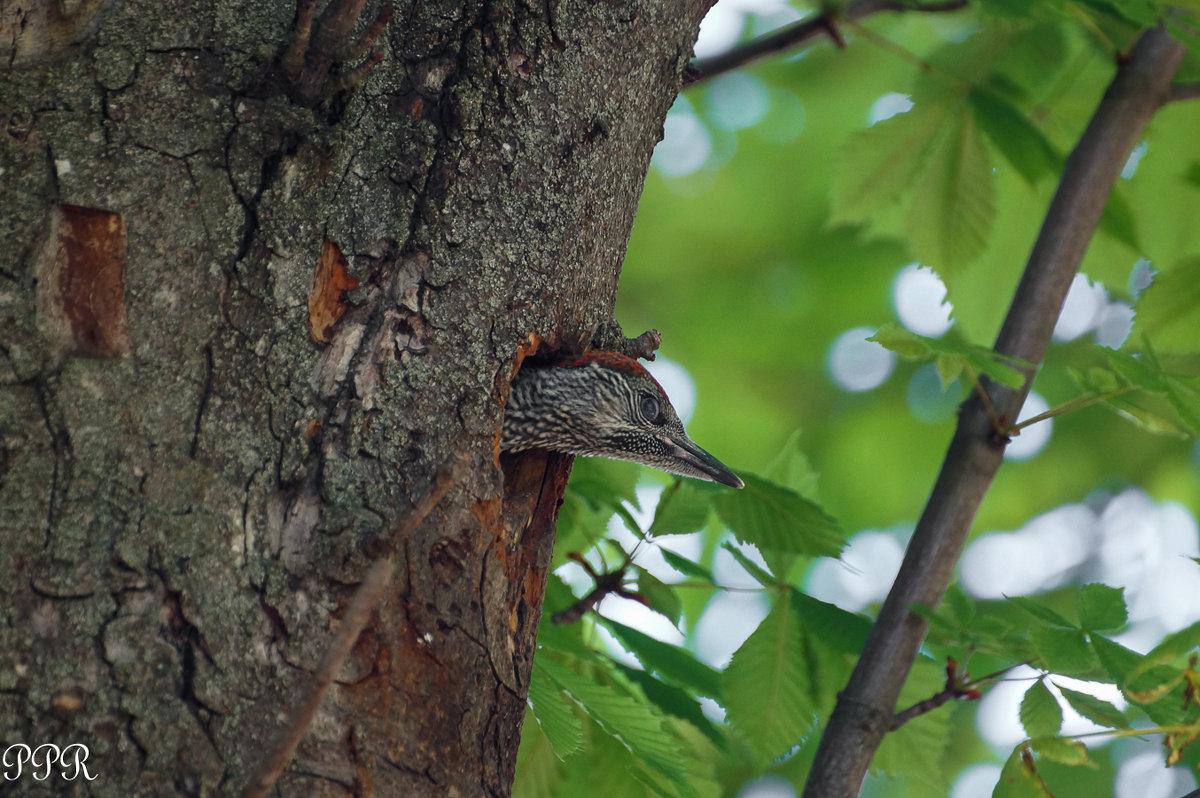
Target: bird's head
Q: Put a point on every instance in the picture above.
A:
(604, 404)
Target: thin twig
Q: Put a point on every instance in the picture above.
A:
(994, 675)
(606, 582)
(404, 528)
(1185, 91)
(367, 597)
(866, 707)
(965, 689)
(293, 57)
(1078, 403)
(948, 694)
(981, 392)
(797, 33)
(954, 690)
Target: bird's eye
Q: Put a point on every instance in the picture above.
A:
(649, 408)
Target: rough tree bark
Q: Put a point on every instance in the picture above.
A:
(190, 486)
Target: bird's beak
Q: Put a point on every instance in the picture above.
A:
(695, 462)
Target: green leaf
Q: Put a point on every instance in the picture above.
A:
(1064, 651)
(1159, 693)
(609, 768)
(1138, 13)
(842, 631)
(1097, 710)
(775, 518)
(904, 343)
(1141, 371)
(1018, 779)
(554, 713)
(631, 721)
(1102, 608)
(675, 701)
(949, 367)
(997, 638)
(1021, 143)
(1141, 684)
(671, 663)
(959, 604)
(1011, 9)
(631, 523)
(791, 469)
(879, 164)
(1172, 647)
(766, 686)
(1060, 749)
(941, 629)
(1096, 380)
(604, 483)
(686, 566)
(914, 751)
(662, 597)
(764, 577)
(1118, 662)
(1168, 311)
(681, 509)
(580, 525)
(567, 638)
(952, 209)
(1145, 418)
(539, 772)
(982, 360)
(1040, 713)
(1118, 219)
(1040, 611)
(1000, 368)
(1185, 399)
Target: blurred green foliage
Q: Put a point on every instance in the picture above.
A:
(793, 232)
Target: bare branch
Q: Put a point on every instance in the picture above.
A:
(864, 712)
(802, 31)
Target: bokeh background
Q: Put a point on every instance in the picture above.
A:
(765, 287)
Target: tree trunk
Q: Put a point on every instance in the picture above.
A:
(208, 432)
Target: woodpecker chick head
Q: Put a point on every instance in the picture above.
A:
(604, 404)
